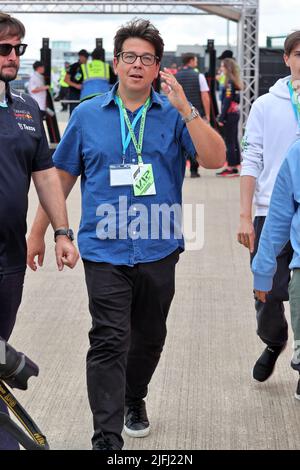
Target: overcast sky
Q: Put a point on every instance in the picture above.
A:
(277, 17)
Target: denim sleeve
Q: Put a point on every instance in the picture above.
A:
(185, 139)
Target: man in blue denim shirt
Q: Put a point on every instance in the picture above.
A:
(128, 147)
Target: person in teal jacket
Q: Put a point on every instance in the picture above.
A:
(282, 224)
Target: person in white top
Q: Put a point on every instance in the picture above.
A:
(273, 126)
(36, 86)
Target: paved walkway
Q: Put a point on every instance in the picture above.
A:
(202, 395)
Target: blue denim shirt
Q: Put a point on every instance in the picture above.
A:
(116, 226)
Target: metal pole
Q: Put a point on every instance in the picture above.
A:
(228, 34)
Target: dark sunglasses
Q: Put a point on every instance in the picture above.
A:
(5, 49)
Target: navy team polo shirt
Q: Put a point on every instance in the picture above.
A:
(23, 149)
(114, 221)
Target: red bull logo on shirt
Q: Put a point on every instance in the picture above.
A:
(24, 115)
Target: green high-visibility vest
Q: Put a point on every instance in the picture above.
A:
(62, 78)
(222, 79)
(95, 69)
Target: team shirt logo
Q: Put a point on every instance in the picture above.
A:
(26, 120)
(23, 115)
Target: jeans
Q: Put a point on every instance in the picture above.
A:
(294, 294)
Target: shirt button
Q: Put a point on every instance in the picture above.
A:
(134, 233)
(133, 160)
(134, 208)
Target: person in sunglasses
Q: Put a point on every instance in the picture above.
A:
(128, 145)
(24, 153)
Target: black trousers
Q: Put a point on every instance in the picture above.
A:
(272, 327)
(64, 95)
(74, 94)
(233, 153)
(129, 308)
(194, 165)
(11, 288)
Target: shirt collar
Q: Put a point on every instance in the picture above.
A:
(155, 98)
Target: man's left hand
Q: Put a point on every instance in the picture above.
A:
(66, 253)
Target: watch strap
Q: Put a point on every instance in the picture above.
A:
(193, 114)
(64, 231)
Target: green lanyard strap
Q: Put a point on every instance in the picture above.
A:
(138, 145)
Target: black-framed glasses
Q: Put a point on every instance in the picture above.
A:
(130, 58)
(5, 49)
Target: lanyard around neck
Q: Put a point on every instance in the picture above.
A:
(138, 145)
(295, 99)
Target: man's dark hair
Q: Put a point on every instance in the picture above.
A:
(142, 29)
(187, 57)
(291, 41)
(227, 54)
(98, 54)
(84, 53)
(10, 26)
(37, 64)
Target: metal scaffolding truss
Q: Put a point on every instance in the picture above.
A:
(122, 6)
(101, 6)
(248, 54)
(243, 12)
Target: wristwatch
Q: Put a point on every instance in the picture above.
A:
(194, 114)
(68, 232)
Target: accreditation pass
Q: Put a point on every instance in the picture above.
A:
(143, 180)
(120, 175)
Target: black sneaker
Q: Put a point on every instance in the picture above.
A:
(195, 175)
(297, 394)
(136, 420)
(265, 364)
(104, 444)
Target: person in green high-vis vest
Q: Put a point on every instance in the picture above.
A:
(63, 87)
(97, 76)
